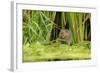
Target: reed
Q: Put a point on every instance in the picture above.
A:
(38, 25)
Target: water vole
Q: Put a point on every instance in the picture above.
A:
(65, 36)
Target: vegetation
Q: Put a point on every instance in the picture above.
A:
(55, 52)
(41, 30)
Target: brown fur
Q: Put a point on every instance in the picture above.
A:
(65, 36)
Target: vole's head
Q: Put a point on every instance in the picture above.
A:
(63, 33)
